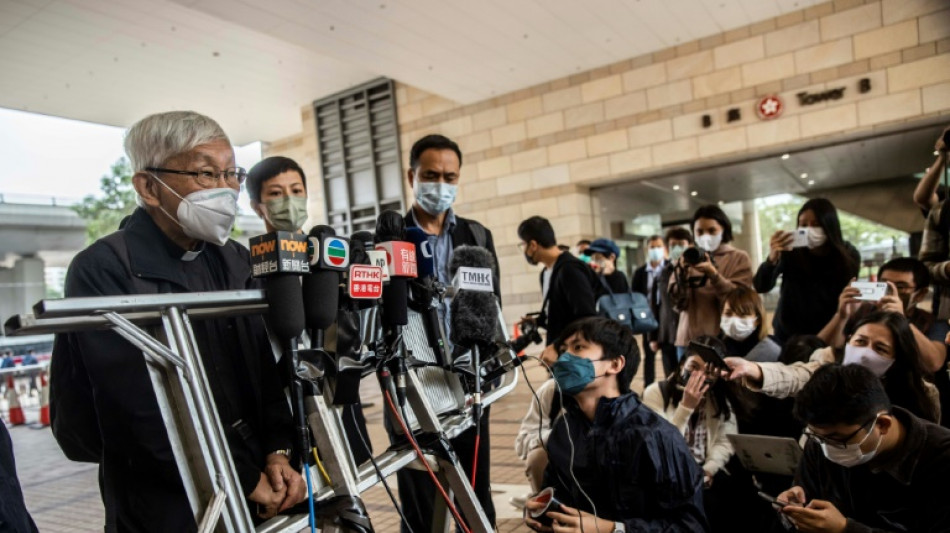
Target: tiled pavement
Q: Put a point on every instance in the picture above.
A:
(63, 496)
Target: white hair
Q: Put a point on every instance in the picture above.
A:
(157, 138)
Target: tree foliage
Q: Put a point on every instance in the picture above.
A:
(116, 200)
(860, 232)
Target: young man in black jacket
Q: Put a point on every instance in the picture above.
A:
(573, 289)
(868, 466)
(614, 464)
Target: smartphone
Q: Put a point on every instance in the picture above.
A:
(871, 291)
(799, 238)
(778, 504)
(708, 354)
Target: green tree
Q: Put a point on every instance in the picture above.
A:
(104, 211)
(782, 214)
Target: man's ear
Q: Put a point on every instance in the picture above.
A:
(146, 188)
(617, 365)
(411, 176)
(885, 422)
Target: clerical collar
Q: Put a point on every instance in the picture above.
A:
(191, 255)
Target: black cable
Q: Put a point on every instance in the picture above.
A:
(380, 473)
(544, 444)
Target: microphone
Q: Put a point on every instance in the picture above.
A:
(472, 268)
(401, 263)
(279, 252)
(285, 306)
(425, 292)
(321, 292)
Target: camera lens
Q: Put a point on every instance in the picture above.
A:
(693, 256)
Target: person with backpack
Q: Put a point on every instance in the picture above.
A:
(603, 254)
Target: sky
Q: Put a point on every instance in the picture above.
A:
(44, 156)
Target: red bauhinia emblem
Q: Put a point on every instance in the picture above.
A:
(770, 107)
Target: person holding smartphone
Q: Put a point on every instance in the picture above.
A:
(868, 465)
(814, 270)
(700, 405)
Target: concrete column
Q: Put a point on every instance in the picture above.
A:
(21, 286)
(751, 238)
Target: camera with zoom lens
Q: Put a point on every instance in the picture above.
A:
(529, 336)
(694, 256)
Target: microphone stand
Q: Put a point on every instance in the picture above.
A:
(300, 418)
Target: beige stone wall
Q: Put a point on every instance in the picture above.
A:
(538, 151)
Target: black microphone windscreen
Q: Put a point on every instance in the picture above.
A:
(285, 312)
(395, 302)
(322, 230)
(470, 256)
(363, 236)
(358, 251)
(473, 318)
(321, 298)
(390, 226)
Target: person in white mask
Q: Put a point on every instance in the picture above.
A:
(881, 341)
(869, 464)
(705, 273)
(813, 272)
(278, 190)
(102, 402)
(743, 326)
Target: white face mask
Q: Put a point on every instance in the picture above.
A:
(816, 237)
(434, 198)
(737, 327)
(676, 252)
(709, 243)
(868, 358)
(655, 255)
(207, 214)
(851, 455)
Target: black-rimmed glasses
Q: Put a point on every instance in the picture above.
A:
(842, 443)
(208, 177)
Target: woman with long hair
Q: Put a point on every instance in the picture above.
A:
(881, 341)
(700, 404)
(705, 273)
(813, 272)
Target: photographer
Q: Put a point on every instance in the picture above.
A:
(603, 255)
(812, 275)
(705, 273)
(615, 465)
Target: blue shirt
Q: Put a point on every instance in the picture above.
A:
(441, 256)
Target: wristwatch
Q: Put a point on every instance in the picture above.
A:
(285, 452)
(619, 528)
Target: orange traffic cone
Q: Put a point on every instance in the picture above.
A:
(44, 399)
(16, 411)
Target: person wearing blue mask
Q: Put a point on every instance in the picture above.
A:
(869, 465)
(615, 465)
(435, 163)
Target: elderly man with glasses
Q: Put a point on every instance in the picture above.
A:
(868, 466)
(102, 404)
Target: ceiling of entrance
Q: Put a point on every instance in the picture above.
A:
(253, 64)
(852, 166)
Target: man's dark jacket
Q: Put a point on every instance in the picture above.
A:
(102, 404)
(418, 509)
(904, 491)
(632, 463)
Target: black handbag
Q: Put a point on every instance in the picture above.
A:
(630, 309)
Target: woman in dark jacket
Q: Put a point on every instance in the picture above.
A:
(813, 276)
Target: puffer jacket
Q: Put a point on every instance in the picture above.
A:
(630, 461)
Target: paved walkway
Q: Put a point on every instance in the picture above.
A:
(63, 496)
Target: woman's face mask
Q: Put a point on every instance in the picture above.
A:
(709, 243)
(816, 237)
(286, 213)
(738, 327)
(866, 357)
